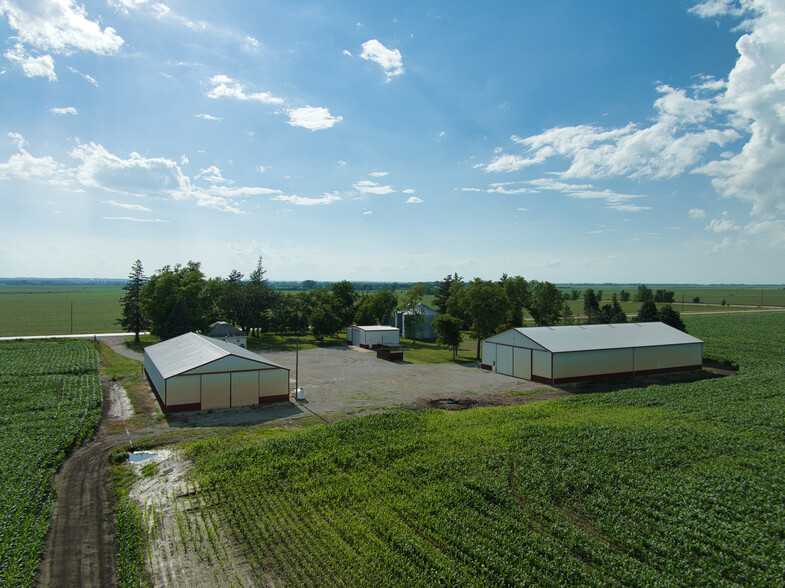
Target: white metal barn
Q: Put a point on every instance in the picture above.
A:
(558, 355)
(192, 372)
(370, 337)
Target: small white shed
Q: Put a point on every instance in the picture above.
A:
(370, 337)
(576, 353)
(192, 372)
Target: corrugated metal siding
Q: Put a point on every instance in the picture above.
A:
(183, 390)
(488, 353)
(155, 376)
(592, 363)
(541, 364)
(245, 388)
(230, 363)
(273, 383)
(215, 391)
(515, 338)
(653, 358)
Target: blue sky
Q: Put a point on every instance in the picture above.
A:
(570, 141)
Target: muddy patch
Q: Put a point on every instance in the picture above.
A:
(453, 404)
(120, 407)
(188, 541)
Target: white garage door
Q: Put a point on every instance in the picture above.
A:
(504, 360)
(245, 388)
(522, 363)
(215, 391)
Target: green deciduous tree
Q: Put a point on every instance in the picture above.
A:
(448, 329)
(546, 304)
(643, 294)
(486, 307)
(519, 295)
(163, 289)
(133, 318)
(345, 302)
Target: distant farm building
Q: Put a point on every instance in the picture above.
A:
(371, 337)
(192, 372)
(558, 355)
(227, 333)
(421, 330)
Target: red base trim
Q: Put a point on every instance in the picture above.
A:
(276, 398)
(364, 346)
(484, 366)
(541, 380)
(182, 408)
(600, 377)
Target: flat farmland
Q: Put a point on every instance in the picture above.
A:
(59, 310)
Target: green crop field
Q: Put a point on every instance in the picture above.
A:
(676, 484)
(59, 310)
(50, 400)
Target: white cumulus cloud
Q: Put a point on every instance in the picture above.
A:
(61, 26)
(66, 110)
(312, 118)
(697, 213)
(42, 66)
(305, 201)
(390, 60)
(369, 187)
(414, 200)
(226, 87)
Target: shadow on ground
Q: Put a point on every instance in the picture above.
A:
(709, 372)
(234, 417)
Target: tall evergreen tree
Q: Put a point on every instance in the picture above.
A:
(133, 317)
(444, 291)
(591, 305)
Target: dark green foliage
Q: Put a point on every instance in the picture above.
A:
(444, 291)
(449, 329)
(668, 315)
(644, 294)
(133, 318)
(591, 306)
(50, 401)
(486, 305)
(664, 296)
(178, 322)
(546, 304)
(647, 313)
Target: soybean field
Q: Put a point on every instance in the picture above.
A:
(673, 485)
(50, 401)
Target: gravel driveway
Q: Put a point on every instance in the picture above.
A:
(350, 380)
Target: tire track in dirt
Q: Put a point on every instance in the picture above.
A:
(80, 547)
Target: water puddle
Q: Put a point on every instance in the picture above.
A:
(138, 456)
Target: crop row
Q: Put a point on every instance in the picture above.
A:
(44, 413)
(665, 485)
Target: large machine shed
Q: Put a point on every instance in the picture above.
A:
(192, 372)
(373, 336)
(558, 355)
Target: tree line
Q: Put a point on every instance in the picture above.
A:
(180, 298)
